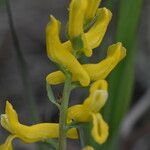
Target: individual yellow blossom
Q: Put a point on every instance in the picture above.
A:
(89, 111)
(88, 148)
(78, 15)
(101, 70)
(8, 143)
(96, 33)
(77, 11)
(57, 53)
(30, 134)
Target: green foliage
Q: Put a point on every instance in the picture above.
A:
(2, 2)
(121, 80)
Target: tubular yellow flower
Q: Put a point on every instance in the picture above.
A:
(77, 11)
(76, 17)
(88, 148)
(57, 53)
(29, 134)
(101, 70)
(89, 111)
(8, 143)
(82, 11)
(96, 33)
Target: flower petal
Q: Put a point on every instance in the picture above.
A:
(8, 143)
(91, 9)
(42, 131)
(101, 70)
(96, 33)
(58, 54)
(115, 54)
(76, 17)
(99, 85)
(78, 113)
(100, 128)
(9, 120)
(88, 148)
(76, 34)
(98, 96)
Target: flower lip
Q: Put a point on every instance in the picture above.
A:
(5, 122)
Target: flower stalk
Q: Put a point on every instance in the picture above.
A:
(63, 113)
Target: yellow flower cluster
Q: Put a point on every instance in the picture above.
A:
(85, 30)
(81, 12)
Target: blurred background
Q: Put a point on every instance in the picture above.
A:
(21, 73)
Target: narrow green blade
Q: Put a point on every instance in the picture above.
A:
(122, 78)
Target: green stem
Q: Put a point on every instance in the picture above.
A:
(63, 113)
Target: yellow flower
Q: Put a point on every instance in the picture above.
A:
(96, 33)
(101, 70)
(58, 53)
(8, 143)
(82, 11)
(29, 134)
(77, 11)
(88, 148)
(89, 111)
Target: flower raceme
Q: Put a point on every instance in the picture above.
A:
(89, 111)
(29, 134)
(101, 70)
(85, 30)
(64, 54)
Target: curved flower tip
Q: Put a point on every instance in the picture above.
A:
(99, 84)
(117, 49)
(88, 148)
(91, 9)
(100, 128)
(115, 54)
(98, 96)
(96, 33)
(52, 37)
(55, 78)
(10, 118)
(76, 17)
(57, 52)
(8, 143)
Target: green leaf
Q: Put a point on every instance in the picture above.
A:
(50, 95)
(121, 80)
